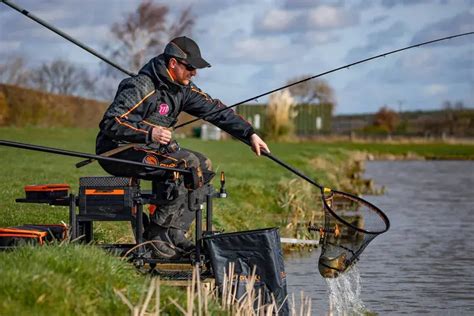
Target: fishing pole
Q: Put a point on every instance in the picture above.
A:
(66, 36)
(85, 155)
(328, 72)
(93, 52)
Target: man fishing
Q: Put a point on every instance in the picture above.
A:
(138, 126)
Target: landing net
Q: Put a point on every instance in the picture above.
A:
(350, 224)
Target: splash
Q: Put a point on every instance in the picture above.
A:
(344, 294)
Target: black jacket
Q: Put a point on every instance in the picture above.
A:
(152, 98)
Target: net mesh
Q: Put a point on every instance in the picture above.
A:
(350, 224)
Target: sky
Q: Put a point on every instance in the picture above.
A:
(257, 46)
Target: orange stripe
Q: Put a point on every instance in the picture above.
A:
(22, 231)
(49, 187)
(204, 94)
(146, 122)
(105, 192)
(169, 73)
(19, 235)
(138, 104)
(130, 126)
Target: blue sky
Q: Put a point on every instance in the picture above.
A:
(256, 46)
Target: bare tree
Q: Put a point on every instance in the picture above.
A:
(145, 31)
(14, 72)
(62, 77)
(312, 91)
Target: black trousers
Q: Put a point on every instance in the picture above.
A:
(173, 196)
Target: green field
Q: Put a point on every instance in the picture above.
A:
(253, 183)
(75, 279)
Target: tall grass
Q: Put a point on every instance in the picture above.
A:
(280, 112)
(201, 300)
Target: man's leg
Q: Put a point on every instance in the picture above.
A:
(172, 217)
(176, 215)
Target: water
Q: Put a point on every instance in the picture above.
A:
(423, 264)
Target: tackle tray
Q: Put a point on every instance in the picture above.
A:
(46, 192)
(32, 234)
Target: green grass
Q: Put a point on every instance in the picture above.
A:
(428, 150)
(252, 182)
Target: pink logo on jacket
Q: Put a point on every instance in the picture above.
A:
(164, 109)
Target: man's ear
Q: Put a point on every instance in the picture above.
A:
(172, 63)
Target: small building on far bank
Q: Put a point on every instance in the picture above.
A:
(311, 119)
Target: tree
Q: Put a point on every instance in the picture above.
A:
(145, 31)
(312, 91)
(14, 72)
(62, 77)
(386, 119)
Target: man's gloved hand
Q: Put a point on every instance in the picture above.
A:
(193, 180)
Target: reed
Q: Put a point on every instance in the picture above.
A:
(200, 300)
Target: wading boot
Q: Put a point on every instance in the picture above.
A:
(162, 246)
(178, 237)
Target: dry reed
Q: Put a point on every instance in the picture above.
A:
(199, 297)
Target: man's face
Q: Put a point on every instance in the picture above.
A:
(181, 71)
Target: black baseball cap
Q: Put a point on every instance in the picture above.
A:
(186, 49)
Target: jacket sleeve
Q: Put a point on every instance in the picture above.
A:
(201, 105)
(124, 119)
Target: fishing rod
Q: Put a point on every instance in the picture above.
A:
(330, 71)
(85, 155)
(93, 52)
(66, 36)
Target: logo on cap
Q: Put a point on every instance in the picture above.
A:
(164, 109)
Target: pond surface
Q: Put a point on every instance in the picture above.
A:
(424, 263)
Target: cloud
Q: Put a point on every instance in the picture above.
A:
(435, 89)
(393, 3)
(7, 47)
(316, 38)
(330, 17)
(321, 17)
(278, 20)
(208, 7)
(425, 67)
(378, 40)
(460, 23)
(306, 4)
(378, 19)
(259, 49)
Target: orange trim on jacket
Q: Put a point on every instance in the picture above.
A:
(200, 92)
(130, 126)
(137, 104)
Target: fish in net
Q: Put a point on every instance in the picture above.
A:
(350, 224)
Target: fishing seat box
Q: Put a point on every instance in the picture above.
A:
(107, 198)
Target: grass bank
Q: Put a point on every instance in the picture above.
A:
(70, 280)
